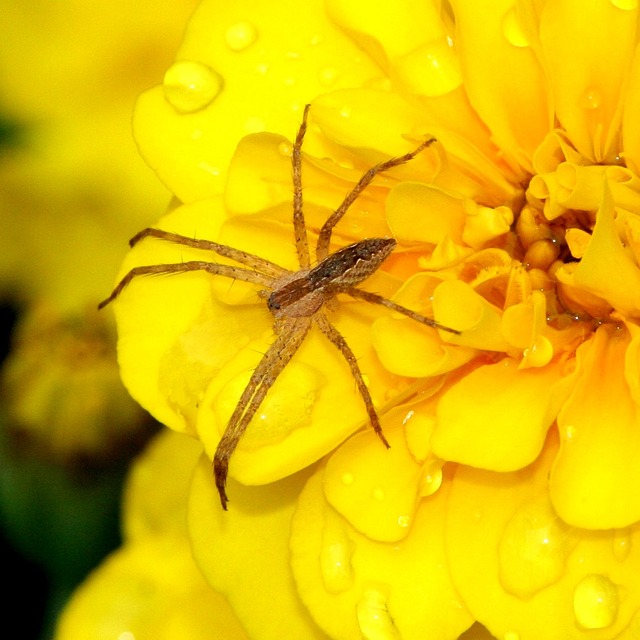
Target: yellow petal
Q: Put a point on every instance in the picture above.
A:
(154, 500)
(496, 36)
(244, 553)
(375, 488)
(249, 50)
(148, 590)
(524, 573)
(500, 431)
(607, 269)
(593, 482)
(587, 68)
(356, 587)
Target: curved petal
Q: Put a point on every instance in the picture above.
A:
(356, 587)
(499, 431)
(244, 553)
(524, 573)
(594, 479)
(246, 49)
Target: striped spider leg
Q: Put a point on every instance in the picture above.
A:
(296, 299)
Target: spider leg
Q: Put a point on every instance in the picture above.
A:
(322, 248)
(273, 362)
(299, 226)
(228, 271)
(244, 258)
(375, 298)
(338, 340)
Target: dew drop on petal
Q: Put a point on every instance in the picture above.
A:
(191, 86)
(533, 550)
(345, 111)
(570, 433)
(347, 478)
(335, 560)
(404, 521)
(378, 494)
(595, 602)
(328, 76)
(511, 635)
(285, 148)
(625, 5)
(374, 619)
(512, 29)
(591, 99)
(240, 35)
(432, 478)
(621, 545)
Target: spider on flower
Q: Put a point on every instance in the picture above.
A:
(296, 299)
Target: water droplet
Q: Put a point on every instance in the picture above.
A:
(621, 544)
(511, 635)
(595, 602)
(262, 68)
(378, 494)
(374, 619)
(591, 99)
(191, 86)
(512, 29)
(335, 559)
(285, 148)
(570, 433)
(345, 111)
(432, 478)
(347, 478)
(328, 76)
(289, 81)
(625, 5)
(240, 35)
(404, 521)
(533, 549)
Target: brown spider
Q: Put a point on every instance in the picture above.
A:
(295, 298)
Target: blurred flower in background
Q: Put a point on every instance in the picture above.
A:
(507, 505)
(72, 191)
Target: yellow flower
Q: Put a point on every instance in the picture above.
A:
(150, 588)
(508, 495)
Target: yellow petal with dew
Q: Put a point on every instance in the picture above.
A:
(356, 587)
(173, 333)
(376, 489)
(248, 49)
(493, 37)
(526, 574)
(598, 468)
(243, 553)
(588, 68)
(349, 117)
(497, 416)
(422, 213)
(631, 116)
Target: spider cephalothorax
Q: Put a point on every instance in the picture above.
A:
(295, 298)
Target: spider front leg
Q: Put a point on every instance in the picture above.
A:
(228, 271)
(324, 238)
(277, 357)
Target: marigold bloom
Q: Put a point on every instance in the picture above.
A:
(509, 493)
